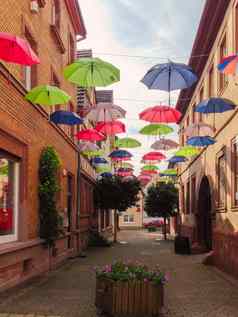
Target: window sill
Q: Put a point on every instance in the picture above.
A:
(58, 38)
(18, 245)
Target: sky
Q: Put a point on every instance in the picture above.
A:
(134, 36)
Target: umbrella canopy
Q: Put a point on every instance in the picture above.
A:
(88, 146)
(169, 172)
(169, 76)
(126, 165)
(130, 177)
(177, 159)
(164, 144)
(106, 174)
(156, 129)
(229, 65)
(65, 117)
(106, 111)
(120, 159)
(92, 72)
(154, 156)
(160, 114)
(16, 50)
(215, 105)
(122, 169)
(99, 160)
(90, 135)
(199, 129)
(201, 141)
(187, 151)
(124, 173)
(149, 172)
(144, 177)
(127, 143)
(111, 128)
(47, 95)
(150, 168)
(93, 153)
(117, 154)
(103, 169)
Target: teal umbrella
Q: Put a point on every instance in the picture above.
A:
(91, 72)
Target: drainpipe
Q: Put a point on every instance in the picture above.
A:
(78, 202)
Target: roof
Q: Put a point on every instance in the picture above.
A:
(76, 17)
(210, 22)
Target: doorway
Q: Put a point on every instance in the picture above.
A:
(204, 220)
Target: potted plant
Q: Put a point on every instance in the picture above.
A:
(129, 289)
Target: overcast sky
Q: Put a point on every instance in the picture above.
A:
(134, 35)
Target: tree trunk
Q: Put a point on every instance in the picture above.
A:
(115, 226)
(165, 229)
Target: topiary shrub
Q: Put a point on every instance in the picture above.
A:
(50, 220)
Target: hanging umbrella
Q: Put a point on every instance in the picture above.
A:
(201, 141)
(106, 111)
(126, 165)
(65, 117)
(16, 50)
(169, 76)
(144, 177)
(177, 159)
(150, 168)
(103, 169)
(90, 135)
(127, 143)
(156, 129)
(199, 129)
(160, 114)
(149, 172)
(117, 154)
(88, 146)
(187, 151)
(154, 156)
(214, 105)
(128, 178)
(92, 72)
(106, 174)
(164, 144)
(169, 172)
(93, 153)
(123, 169)
(124, 174)
(99, 160)
(120, 159)
(47, 95)
(228, 65)
(110, 128)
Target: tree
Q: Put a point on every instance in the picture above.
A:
(161, 201)
(117, 194)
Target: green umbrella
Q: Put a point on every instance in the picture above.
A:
(150, 168)
(187, 151)
(103, 169)
(91, 72)
(169, 172)
(127, 143)
(156, 129)
(47, 95)
(93, 153)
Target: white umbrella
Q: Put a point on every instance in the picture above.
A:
(106, 111)
(164, 144)
(199, 129)
(88, 146)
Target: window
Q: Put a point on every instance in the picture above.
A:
(234, 169)
(128, 218)
(211, 82)
(71, 49)
(193, 194)
(223, 53)
(188, 197)
(56, 14)
(9, 197)
(201, 96)
(30, 72)
(182, 205)
(193, 113)
(221, 179)
(54, 82)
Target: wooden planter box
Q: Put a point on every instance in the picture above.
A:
(129, 298)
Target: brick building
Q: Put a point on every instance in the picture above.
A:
(208, 182)
(52, 28)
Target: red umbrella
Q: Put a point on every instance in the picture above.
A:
(111, 127)
(90, 135)
(158, 114)
(16, 50)
(149, 172)
(154, 156)
(144, 177)
(119, 159)
(124, 174)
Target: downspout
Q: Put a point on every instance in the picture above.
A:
(78, 201)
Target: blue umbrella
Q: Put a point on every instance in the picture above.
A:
(214, 105)
(177, 159)
(65, 117)
(120, 154)
(106, 174)
(99, 160)
(169, 76)
(201, 141)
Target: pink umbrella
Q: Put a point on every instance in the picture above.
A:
(154, 156)
(199, 129)
(164, 144)
(124, 174)
(111, 127)
(16, 50)
(144, 177)
(160, 114)
(148, 172)
(90, 135)
(119, 159)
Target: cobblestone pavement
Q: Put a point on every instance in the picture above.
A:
(194, 290)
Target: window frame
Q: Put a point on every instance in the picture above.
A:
(219, 155)
(223, 79)
(211, 81)
(128, 218)
(188, 197)
(234, 172)
(193, 194)
(201, 97)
